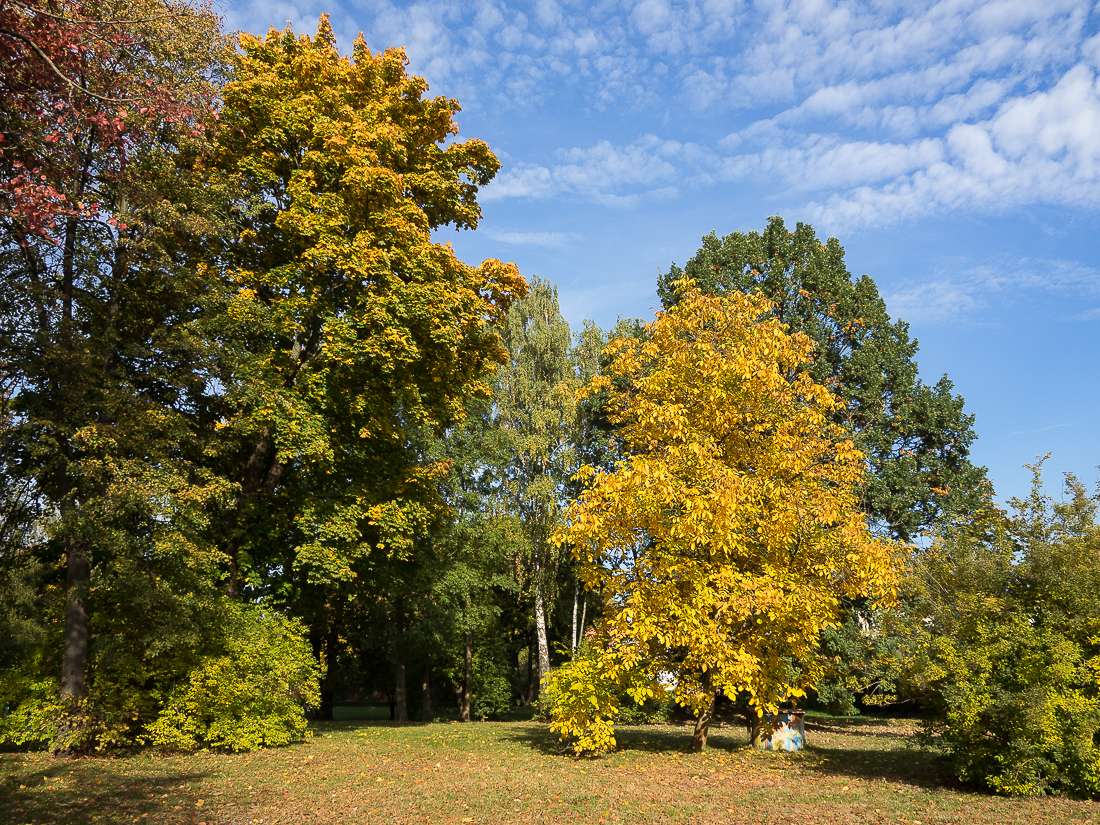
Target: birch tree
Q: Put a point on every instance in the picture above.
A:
(535, 411)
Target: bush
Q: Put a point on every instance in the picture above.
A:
(249, 696)
(492, 689)
(584, 702)
(1009, 653)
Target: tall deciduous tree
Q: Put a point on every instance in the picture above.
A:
(350, 329)
(726, 537)
(535, 412)
(102, 120)
(916, 437)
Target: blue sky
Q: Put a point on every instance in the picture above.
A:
(953, 148)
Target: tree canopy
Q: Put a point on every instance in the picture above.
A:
(724, 540)
(916, 437)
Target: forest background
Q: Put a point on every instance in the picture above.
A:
(267, 442)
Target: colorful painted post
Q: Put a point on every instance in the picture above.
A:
(782, 731)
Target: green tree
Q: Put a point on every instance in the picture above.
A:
(1005, 620)
(535, 412)
(916, 437)
(476, 549)
(350, 336)
(102, 121)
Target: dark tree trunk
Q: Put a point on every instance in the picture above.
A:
(401, 708)
(702, 728)
(78, 568)
(755, 725)
(426, 694)
(530, 676)
(328, 694)
(519, 679)
(324, 712)
(468, 681)
(258, 476)
(75, 661)
(702, 724)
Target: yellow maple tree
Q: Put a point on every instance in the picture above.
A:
(724, 540)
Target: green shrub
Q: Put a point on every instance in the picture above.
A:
(251, 695)
(1009, 647)
(492, 689)
(29, 710)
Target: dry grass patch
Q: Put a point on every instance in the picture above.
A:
(855, 771)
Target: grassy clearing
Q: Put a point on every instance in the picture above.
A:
(367, 771)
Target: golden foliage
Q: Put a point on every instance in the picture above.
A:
(724, 541)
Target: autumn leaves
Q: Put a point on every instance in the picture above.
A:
(725, 539)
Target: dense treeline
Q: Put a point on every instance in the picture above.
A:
(266, 445)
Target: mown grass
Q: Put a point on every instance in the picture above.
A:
(372, 771)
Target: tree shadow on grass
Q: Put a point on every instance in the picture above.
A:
(651, 739)
(350, 725)
(857, 726)
(103, 791)
(892, 757)
(903, 765)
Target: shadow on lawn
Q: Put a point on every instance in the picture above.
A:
(650, 739)
(857, 726)
(903, 765)
(80, 791)
(895, 762)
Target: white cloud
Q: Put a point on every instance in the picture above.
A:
(955, 296)
(601, 173)
(862, 113)
(723, 53)
(933, 302)
(1042, 148)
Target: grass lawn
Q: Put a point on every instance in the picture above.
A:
(372, 771)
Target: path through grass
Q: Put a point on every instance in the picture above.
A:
(367, 771)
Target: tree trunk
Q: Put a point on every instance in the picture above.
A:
(75, 661)
(756, 729)
(401, 708)
(328, 700)
(540, 628)
(530, 675)
(255, 473)
(426, 694)
(468, 681)
(584, 612)
(702, 724)
(576, 598)
(329, 652)
(78, 568)
(702, 727)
